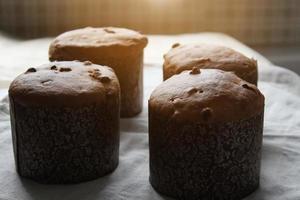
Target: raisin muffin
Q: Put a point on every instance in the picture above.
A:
(118, 48)
(205, 135)
(185, 57)
(65, 122)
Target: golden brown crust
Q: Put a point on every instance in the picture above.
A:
(69, 83)
(184, 57)
(206, 96)
(118, 48)
(102, 39)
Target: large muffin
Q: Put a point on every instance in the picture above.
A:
(65, 122)
(205, 135)
(185, 57)
(118, 48)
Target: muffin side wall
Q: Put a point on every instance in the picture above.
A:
(66, 145)
(209, 161)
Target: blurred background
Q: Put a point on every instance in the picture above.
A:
(271, 27)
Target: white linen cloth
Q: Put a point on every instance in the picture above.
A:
(280, 172)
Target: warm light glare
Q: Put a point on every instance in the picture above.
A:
(163, 2)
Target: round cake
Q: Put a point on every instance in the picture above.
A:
(65, 122)
(205, 135)
(118, 48)
(207, 56)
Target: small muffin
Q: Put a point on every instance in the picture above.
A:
(118, 48)
(65, 122)
(205, 56)
(205, 135)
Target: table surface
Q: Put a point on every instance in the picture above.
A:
(280, 173)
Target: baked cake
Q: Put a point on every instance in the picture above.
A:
(65, 122)
(185, 57)
(205, 135)
(118, 48)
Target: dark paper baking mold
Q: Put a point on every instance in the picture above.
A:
(205, 161)
(65, 145)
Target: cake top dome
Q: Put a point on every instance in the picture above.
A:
(185, 57)
(105, 37)
(67, 83)
(206, 96)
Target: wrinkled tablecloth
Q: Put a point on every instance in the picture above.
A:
(280, 172)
